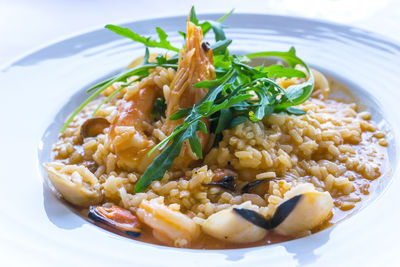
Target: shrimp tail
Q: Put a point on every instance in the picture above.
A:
(196, 64)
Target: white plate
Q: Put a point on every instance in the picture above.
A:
(37, 229)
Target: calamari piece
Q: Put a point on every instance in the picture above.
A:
(303, 211)
(321, 85)
(75, 183)
(229, 226)
(310, 210)
(170, 226)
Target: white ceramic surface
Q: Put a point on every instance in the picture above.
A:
(38, 90)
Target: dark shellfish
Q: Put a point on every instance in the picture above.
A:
(93, 127)
(249, 186)
(116, 218)
(228, 182)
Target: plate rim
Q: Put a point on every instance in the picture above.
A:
(308, 20)
(66, 37)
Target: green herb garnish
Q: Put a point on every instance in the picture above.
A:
(159, 109)
(163, 43)
(239, 93)
(243, 93)
(143, 70)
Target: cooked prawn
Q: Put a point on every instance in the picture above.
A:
(130, 138)
(170, 226)
(195, 65)
(130, 134)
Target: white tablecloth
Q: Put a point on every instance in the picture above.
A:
(28, 24)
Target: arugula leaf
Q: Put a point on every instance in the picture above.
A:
(232, 98)
(162, 163)
(112, 95)
(226, 15)
(194, 141)
(220, 46)
(163, 43)
(202, 127)
(290, 57)
(146, 56)
(236, 121)
(295, 94)
(213, 83)
(295, 111)
(193, 16)
(161, 59)
(142, 70)
(100, 84)
(278, 71)
(224, 119)
(207, 25)
(217, 28)
(159, 109)
(239, 93)
(180, 114)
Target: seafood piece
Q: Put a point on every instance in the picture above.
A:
(117, 218)
(228, 182)
(229, 226)
(253, 184)
(196, 64)
(321, 85)
(75, 183)
(131, 136)
(310, 210)
(169, 225)
(93, 127)
(295, 216)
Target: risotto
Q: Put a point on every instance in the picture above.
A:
(143, 160)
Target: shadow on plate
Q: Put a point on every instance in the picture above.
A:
(58, 212)
(302, 249)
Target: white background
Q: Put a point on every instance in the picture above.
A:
(28, 234)
(28, 24)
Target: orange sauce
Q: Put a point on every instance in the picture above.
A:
(364, 188)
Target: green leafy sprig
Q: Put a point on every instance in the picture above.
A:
(143, 70)
(163, 43)
(239, 92)
(243, 93)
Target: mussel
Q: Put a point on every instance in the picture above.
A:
(294, 216)
(228, 182)
(93, 127)
(117, 218)
(253, 184)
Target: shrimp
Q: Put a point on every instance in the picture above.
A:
(131, 132)
(195, 65)
(169, 225)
